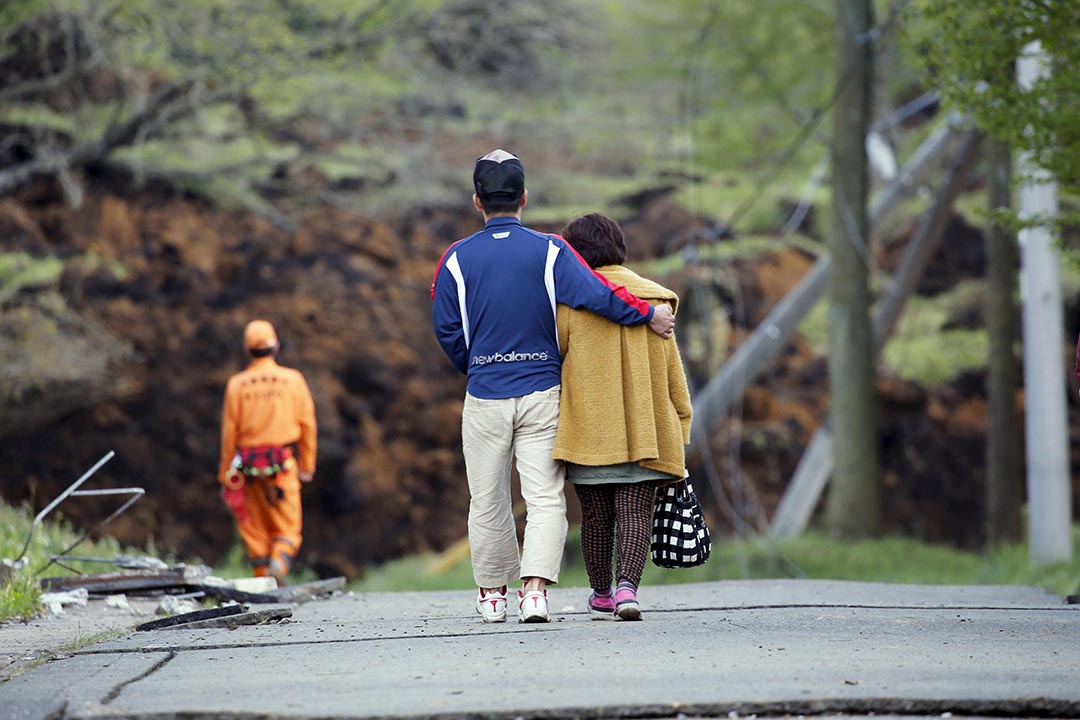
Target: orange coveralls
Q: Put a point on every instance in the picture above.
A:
(267, 404)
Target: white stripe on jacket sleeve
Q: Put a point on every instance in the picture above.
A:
(549, 283)
(454, 267)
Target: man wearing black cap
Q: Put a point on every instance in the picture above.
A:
(494, 297)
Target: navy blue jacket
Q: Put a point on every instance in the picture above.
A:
(494, 306)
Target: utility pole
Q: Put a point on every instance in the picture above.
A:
(1049, 491)
(854, 503)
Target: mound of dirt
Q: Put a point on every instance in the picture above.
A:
(176, 280)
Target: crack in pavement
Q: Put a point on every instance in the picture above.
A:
(115, 692)
(293, 643)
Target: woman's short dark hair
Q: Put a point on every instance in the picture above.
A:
(598, 239)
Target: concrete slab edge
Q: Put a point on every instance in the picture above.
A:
(1025, 707)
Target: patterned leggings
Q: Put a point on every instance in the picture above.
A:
(622, 512)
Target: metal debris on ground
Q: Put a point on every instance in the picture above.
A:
(194, 581)
(132, 581)
(210, 614)
(289, 594)
(229, 617)
(231, 622)
(310, 591)
(124, 562)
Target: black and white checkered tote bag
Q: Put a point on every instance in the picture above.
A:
(680, 537)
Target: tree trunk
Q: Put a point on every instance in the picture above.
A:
(802, 493)
(854, 504)
(1004, 446)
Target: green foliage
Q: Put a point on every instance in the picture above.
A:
(19, 270)
(13, 14)
(40, 116)
(727, 83)
(19, 595)
(923, 348)
(932, 360)
(969, 51)
(814, 555)
(600, 89)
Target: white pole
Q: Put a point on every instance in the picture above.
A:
(1048, 481)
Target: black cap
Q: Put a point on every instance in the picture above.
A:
(499, 176)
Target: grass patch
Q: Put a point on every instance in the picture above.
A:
(933, 360)
(19, 595)
(814, 555)
(233, 564)
(924, 350)
(78, 643)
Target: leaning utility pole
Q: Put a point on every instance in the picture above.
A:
(1049, 491)
(755, 355)
(802, 493)
(854, 504)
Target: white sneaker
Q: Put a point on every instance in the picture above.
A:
(491, 605)
(533, 606)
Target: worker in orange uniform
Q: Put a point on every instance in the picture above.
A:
(268, 442)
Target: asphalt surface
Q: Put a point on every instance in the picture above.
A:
(764, 648)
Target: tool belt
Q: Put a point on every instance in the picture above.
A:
(265, 462)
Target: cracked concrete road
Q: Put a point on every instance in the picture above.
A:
(749, 647)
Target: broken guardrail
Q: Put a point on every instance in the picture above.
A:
(73, 491)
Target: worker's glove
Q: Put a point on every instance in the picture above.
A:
(235, 500)
(232, 492)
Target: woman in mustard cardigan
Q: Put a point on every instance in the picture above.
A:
(624, 421)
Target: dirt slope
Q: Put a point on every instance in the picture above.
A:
(176, 280)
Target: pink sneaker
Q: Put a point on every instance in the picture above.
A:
(600, 607)
(626, 604)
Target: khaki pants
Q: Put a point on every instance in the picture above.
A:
(493, 432)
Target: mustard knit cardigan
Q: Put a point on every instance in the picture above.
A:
(624, 395)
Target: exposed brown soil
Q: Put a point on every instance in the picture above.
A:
(349, 296)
